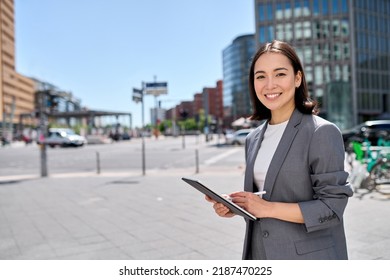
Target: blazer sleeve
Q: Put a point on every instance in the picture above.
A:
(329, 179)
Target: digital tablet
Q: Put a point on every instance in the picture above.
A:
(229, 204)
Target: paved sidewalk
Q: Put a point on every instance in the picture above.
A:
(157, 216)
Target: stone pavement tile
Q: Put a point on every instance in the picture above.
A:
(173, 251)
(103, 254)
(194, 255)
(92, 239)
(77, 228)
(136, 248)
(36, 252)
(121, 238)
(378, 250)
(27, 237)
(8, 248)
(152, 254)
(68, 252)
(220, 253)
(150, 250)
(62, 242)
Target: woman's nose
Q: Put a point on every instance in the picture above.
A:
(270, 83)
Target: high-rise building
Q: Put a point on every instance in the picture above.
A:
(345, 48)
(16, 91)
(236, 62)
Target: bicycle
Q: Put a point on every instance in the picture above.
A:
(378, 177)
(371, 170)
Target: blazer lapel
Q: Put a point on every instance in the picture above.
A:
(281, 152)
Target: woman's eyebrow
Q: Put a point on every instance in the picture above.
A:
(276, 69)
(280, 68)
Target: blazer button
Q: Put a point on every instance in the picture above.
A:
(321, 220)
(265, 234)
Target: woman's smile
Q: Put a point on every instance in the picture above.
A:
(272, 96)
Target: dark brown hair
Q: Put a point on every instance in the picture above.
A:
(302, 100)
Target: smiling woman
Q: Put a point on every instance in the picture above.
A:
(297, 158)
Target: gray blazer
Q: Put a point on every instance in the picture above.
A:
(307, 168)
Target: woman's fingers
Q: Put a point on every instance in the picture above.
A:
(209, 199)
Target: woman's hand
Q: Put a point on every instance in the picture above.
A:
(220, 209)
(252, 203)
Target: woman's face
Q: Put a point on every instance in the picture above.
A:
(275, 82)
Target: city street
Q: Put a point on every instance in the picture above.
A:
(76, 213)
(126, 156)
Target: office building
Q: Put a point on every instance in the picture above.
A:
(236, 62)
(16, 91)
(345, 48)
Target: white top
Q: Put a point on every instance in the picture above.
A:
(272, 137)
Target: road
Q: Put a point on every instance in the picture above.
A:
(126, 156)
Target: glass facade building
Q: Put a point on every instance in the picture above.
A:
(345, 48)
(236, 62)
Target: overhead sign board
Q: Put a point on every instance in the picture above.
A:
(156, 88)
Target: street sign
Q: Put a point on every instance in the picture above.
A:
(156, 88)
(137, 95)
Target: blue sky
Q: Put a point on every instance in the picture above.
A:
(99, 49)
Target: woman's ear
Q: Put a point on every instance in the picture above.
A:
(298, 79)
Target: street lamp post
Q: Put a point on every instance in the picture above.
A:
(155, 88)
(138, 96)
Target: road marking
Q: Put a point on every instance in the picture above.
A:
(221, 156)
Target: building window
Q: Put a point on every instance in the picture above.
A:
(280, 32)
(279, 11)
(327, 77)
(261, 12)
(318, 80)
(307, 54)
(288, 35)
(288, 10)
(316, 7)
(309, 74)
(262, 35)
(335, 7)
(297, 9)
(346, 73)
(324, 6)
(269, 11)
(337, 73)
(344, 6)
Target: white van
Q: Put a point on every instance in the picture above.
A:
(64, 137)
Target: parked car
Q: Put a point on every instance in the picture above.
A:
(370, 130)
(238, 137)
(64, 137)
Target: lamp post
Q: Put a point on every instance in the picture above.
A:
(138, 96)
(155, 88)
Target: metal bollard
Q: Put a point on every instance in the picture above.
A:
(97, 163)
(197, 160)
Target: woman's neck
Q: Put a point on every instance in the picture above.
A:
(278, 117)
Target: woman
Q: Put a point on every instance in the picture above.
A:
(297, 158)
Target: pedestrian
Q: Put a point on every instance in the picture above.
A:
(297, 158)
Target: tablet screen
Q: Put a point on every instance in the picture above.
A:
(229, 204)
